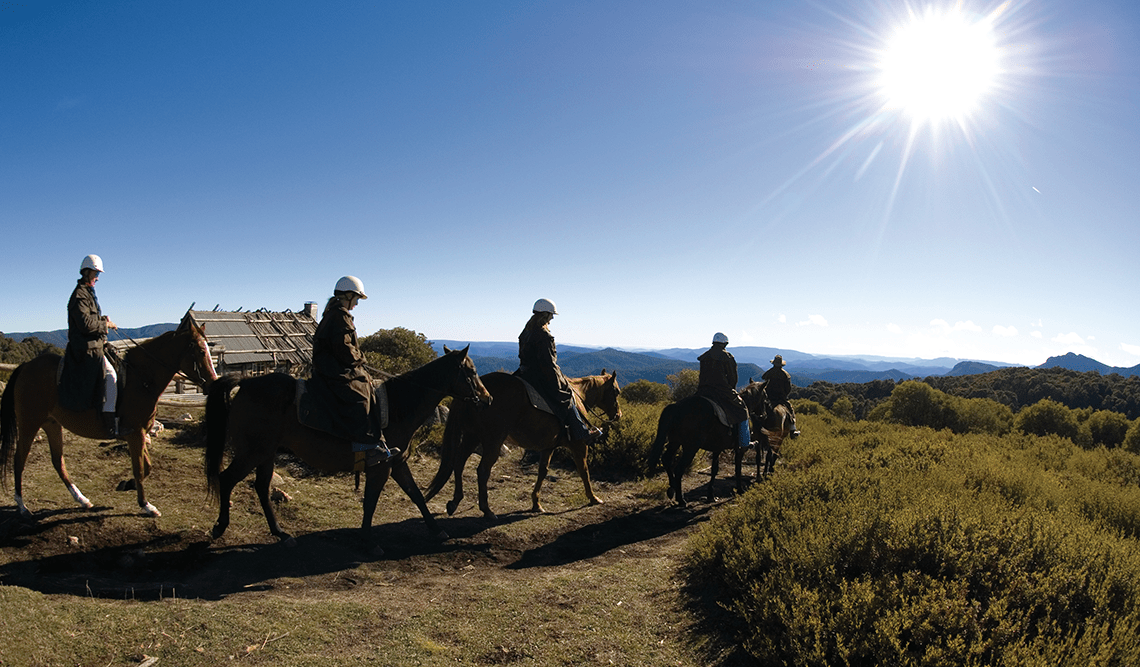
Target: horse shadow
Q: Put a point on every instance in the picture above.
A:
(614, 533)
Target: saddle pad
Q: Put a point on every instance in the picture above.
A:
(719, 411)
(120, 382)
(380, 394)
(536, 399)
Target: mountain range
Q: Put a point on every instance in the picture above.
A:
(656, 365)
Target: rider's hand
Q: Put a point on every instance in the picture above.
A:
(110, 324)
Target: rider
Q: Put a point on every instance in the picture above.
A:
(339, 382)
(779, 386)
(87, 364)
(538, 365)
(717, 381)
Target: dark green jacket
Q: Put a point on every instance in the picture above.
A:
(718, 380)
(340, 390)
(538, 365)
(81, 384)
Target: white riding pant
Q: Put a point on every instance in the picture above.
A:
(111, 386)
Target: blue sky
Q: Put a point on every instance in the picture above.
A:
(662, 171)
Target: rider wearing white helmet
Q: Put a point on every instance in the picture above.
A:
(87, 373)
(538, 365)
(340, 387)
(718, 381)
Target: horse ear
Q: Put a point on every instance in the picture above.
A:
(465, 349)
(446, 350)
(603, 370)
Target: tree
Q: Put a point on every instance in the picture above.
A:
(12, 352)
(1108, 428)
(1132, 439)
(397, 350)
(684, 383)
(1047, 417)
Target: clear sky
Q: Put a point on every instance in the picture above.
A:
(661, 170)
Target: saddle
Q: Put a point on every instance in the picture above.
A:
(719, 411)
(305, 411)
(536, 399)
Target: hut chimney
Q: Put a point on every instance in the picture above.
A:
(310, 309)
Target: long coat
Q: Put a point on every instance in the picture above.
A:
(81, 383)
(538, 365)
(779, 384)
(340, 395)
(718, 380)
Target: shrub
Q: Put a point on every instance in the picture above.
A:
(914, 403)
(1132, 439)
(1047, 417)
(396, 350)
(645, 391)
(903, 546)
(624, 451)
(684, 383)
(843, 408)
(1108, 428)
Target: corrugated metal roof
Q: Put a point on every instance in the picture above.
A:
(258, 336)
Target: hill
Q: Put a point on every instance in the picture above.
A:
(59, 336)
(1079, 362)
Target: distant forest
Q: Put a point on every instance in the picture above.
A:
(1014, 387)
(12, 352)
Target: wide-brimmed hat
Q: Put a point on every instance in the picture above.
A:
(778, 360)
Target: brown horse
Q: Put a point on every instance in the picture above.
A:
(262, 417)
(30, 403)
(513, 417)
(776, 423)
(690, 425)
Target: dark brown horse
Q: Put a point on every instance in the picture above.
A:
(690, 425)
(261, 417)
(512, 417)
(30, 403)
(776, 423)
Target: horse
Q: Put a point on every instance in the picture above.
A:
(30, 402)
(512, 416)
(261, 417)
(776, 423)
(690, 425)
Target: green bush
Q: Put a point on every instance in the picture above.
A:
(684, 383)
(1132, 439)
(1047, 417)
(914, 403)
(624, 451)
(879, 544)
(645, 391)
(397, 350)
(1107, 428)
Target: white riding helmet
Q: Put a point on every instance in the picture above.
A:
(544, 306)
(720, 338)
(350, 284)
(92, 262)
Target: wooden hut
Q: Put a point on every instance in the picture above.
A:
(259, 341)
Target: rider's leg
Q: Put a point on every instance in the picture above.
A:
(579, 429)
(110, 398)
(745, 436)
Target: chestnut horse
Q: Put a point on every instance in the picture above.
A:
(30, 403)
(513, 417)
(262, 417)
(776, 423)
(692, 424)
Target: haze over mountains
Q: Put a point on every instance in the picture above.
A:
(656, 365)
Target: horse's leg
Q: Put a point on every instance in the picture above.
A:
(235, 472)
(55, 440)
(688, 453)
(20, 459)
(668, 458)
(579, 450)
(713, 470)
(403, 476)
(465, 448)
(486, 462)
(543, 466)
(262, 483)
(374, 480)
(738, 459)
(140, 467)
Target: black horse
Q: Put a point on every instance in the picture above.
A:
(262, 417)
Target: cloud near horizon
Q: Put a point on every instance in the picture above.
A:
(1070, 338)
(1134, 350)
(817, 320)
(1009, 331)
(945, 327)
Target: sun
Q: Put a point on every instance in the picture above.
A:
(939, 66)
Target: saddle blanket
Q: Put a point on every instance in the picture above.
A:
(380, 393)
(536, 399)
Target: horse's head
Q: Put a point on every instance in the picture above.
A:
(755, 398)
(610, 393)
(196, 363)
(467, 383)
(599, 391)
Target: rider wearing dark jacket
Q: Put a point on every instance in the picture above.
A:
(779, 386)
(88, 379)
(538, 365)
(717, 381)
(340, 387)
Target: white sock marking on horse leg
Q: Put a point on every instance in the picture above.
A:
(79, 497)
(150, 510)
(20, 506)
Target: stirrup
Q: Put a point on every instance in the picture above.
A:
(372, 457)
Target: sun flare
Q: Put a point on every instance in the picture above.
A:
(939, 66)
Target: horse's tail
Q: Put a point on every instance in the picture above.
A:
(217, 418)
(664, 423)
(448, 449)
(8, 424)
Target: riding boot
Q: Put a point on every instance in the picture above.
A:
(743, 436)
(368, 454)
(110, 425)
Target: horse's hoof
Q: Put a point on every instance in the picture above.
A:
(596, 501)
(151, 510)
(451, 507)
(491, 516)
(670, 493)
